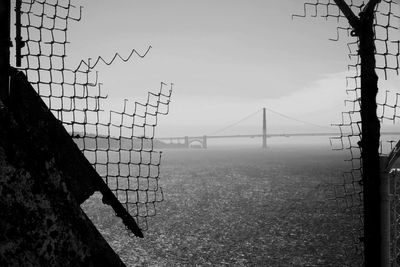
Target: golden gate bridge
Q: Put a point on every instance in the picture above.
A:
(186, 141)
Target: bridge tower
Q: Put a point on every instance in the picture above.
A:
(186, 141)
(264, 136)
(204, 141)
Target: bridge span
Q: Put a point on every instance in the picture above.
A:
(188, 140)
(202, 139)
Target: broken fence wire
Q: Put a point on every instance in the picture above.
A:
(119, 144)
(348, 192)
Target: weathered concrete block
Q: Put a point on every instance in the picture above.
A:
(41, 222)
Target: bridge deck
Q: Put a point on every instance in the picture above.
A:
(260, 135)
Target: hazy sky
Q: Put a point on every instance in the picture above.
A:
(227, 59)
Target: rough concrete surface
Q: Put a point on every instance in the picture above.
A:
(41, 222)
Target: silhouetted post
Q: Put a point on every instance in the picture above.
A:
(264, 129)
(204, 141)
(18, 39)
(385, 210)
(370, 131)
(5, 43)
(387, 163)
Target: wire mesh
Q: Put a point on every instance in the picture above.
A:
(349, 192)
(119, 144)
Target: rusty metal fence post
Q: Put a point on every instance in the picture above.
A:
(5, 44)
(385, 212)
(389, 203)
(394, 177)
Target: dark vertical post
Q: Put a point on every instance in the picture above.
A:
(5, 44)
(385, 210)
(264, 145)
(18, 39)
(370, 131)
(370, 134)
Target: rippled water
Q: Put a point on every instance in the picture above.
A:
(240, 207)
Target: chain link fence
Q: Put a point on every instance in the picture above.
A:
(119, 144)
(349, 191)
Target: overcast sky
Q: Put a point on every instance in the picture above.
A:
(227, 59)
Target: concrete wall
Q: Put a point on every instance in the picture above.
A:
(41, 222)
